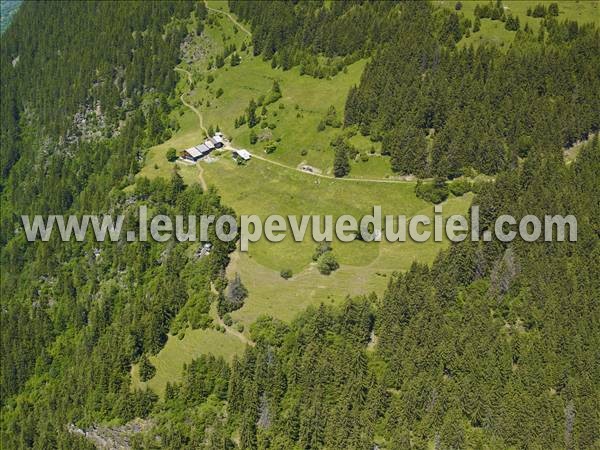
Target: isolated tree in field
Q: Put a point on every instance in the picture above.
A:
(275, 93)
(171, 154)
(327, 263)
(539, 10)
(286, 274)
(270, 147)
(512, 23)
(253, 137)
(331, 118)
(322, 248)
(275, 88)
(235, 59)
(236, 291)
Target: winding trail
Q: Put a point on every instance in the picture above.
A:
(215, 315)
(267, 160)
(218, 11)
(189, 105)
(200, 121)
(201, 177)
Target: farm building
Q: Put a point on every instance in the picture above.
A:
(210, 144)
(201, 150)
(191, 154)
(204, 149)
(197, 152)
(241, 155)
(217, 139)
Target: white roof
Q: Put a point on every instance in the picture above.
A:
(244, 154)
(217, 138)
(209, 143)
(202, 149)
(193, 152)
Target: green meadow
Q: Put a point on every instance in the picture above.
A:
(364, 267)
(177, 352)
(493, 31)
(292, 121)
(264, 188)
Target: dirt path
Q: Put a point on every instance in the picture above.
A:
(218, 11)
(201, 177)
(189, 105)
(200, 121)
(267, 160)
(270, 161)
(215, 315)
(320, 175)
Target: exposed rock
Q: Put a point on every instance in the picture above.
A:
(264, 420)
(113, 438)
(504, 273)
(195, 48)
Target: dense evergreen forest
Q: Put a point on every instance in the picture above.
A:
(481, 109)
(493, 346)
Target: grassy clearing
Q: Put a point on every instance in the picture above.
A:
(494, 31)
(295, 117)
(365, 267)
(262, 188)
(177, 352)
(267, 189)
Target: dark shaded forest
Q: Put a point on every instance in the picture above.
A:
(492, 346)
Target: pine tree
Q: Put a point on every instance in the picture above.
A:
(341, 164)
(147, 370)
(251, 114)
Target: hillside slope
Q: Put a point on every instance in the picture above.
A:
(480, 344)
